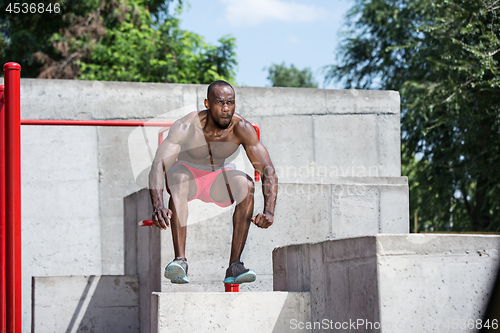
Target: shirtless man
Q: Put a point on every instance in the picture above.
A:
(201, 141)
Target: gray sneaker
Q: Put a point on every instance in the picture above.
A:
(237, 273)
(177, 270)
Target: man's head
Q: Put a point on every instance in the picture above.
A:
(220, 103)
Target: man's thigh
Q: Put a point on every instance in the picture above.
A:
(230, 185)
(181, 180)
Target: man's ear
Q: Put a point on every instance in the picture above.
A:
(206, 103)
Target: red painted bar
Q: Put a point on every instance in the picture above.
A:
(124, 123)
(12, 79)
(131, 123)
(3, 298)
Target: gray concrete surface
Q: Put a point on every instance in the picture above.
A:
(75, 179)
(143, 254)
(273, 312)
(411, 283)
(304, 213)
(68, 304)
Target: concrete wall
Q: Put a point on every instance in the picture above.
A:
(411, 283)
(142, 252)
(269, 312)
(75, 179)
(68, 304)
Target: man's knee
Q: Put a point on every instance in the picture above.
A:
(242, 185)
(178, 183)
(250, 185)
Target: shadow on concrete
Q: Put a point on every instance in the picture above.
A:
(108, 304)
(293, 314)
(77, 303)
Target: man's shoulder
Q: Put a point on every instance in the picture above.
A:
(191, 119)
(181, 128)
(243, 128)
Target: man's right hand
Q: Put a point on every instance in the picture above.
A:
(161, 217)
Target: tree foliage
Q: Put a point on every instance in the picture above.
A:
(283, 76)
(443, 56)
(119, 40)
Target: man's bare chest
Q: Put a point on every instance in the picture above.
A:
(202, 146)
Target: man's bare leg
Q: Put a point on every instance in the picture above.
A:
(182, 187)
(178, 231)
(237, 186)
(242, 214)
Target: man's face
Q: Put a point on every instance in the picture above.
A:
(221, 105)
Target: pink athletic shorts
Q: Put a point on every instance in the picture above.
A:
(204, 178)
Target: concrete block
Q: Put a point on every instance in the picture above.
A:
(418, 282)
(251, 101)
(394, 210)
(148, 256)
(242, 312)
(389, 145)
(295, 147)
(362, 101)
(85, 304)
(347, 145)
(355, 210)
(130, 225)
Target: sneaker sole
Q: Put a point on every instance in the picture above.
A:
(176, 273)
(249, 276)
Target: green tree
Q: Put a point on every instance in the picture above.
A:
(282, 76)
(443, 56)
(121, 40)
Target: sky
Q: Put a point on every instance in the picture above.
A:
(299, 32)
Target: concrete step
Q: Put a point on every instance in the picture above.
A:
(229, 312)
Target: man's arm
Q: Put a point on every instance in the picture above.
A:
(259, 157)
(166, 154)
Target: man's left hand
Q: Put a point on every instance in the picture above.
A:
(263, 220)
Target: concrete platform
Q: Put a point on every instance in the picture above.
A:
(262, 312)
(411, 283)
(70, 304)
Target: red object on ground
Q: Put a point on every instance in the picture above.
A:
(12, 81)
(232, 288)
(2, 213)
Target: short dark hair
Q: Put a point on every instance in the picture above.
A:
(217, 83)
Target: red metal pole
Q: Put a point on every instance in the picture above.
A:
(130, 123)
(12, 79)
(2, 213)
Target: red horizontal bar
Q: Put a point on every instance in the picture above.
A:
(130, 123)
(126, 123)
